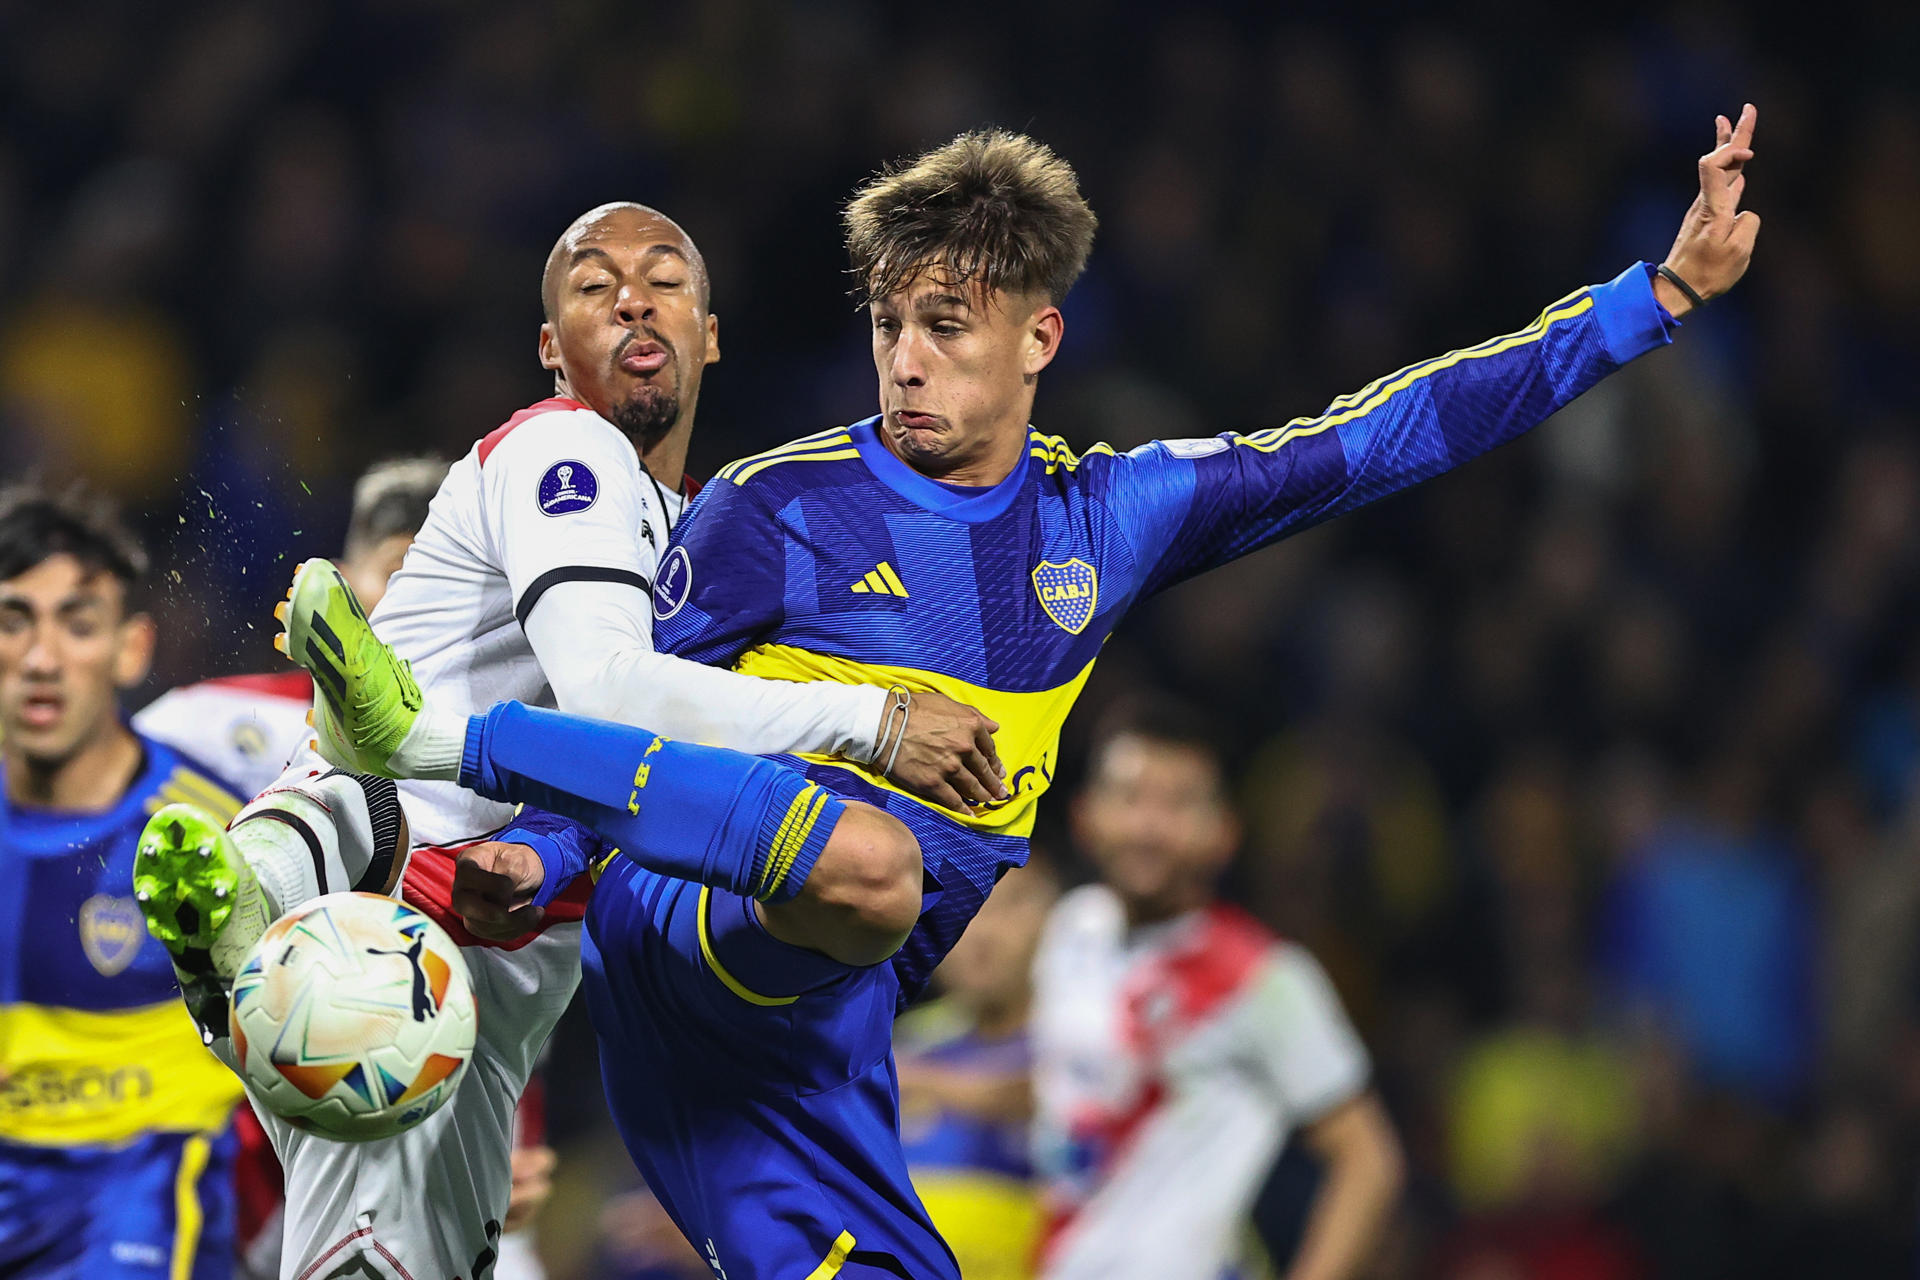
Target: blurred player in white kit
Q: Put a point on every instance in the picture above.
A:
(531, 580)
(1177, 1042)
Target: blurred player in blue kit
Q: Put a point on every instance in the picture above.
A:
(746, 953)
(115, 1146)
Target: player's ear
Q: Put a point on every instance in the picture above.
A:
(713, 340)
(1227, 837)
(1043, 336)
(549, 348)
(135, 655)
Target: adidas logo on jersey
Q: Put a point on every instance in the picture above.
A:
(881, 580)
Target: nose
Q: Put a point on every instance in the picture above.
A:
(633, 306)
(909, 361)
(42, 659)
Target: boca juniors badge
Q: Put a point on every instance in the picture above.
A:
(111, 932)
(567, 487)
(1068, 592)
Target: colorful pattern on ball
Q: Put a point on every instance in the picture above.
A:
(353, 1017)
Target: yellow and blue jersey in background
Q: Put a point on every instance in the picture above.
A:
(973, 1174)
(753, 1081)
(115, 1148)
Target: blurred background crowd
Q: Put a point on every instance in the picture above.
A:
(1591, 772)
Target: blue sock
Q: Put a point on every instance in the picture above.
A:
(716, 817)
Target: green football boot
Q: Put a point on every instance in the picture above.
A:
(202, 901)
(366, 701)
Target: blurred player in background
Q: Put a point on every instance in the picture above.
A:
(247, 727)
(944, 544)
(116, 1156)
(1177, 1042)
(966, 1093)
(530, 579)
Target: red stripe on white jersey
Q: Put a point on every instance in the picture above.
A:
(427, 886)
(552, 404)
(1168, 996)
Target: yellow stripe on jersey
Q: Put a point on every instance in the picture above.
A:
(1572, 305)
(1054, 452)
(834, 455)
(727, 980)
(1381, 390)
(187, 1214)
(185, 786)
(836, 1258)
(1028, 740)
(832, 438)
(70, 1077)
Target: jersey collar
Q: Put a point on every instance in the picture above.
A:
(156, 762)
(973, 506)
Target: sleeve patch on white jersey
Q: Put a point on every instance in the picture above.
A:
(673, 583)
(568, 487)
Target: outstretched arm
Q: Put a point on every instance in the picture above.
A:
(1193, 504)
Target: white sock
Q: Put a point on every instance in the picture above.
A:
(279, 833)
(277, 852)
(432, 748)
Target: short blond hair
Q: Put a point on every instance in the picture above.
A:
(991, 208)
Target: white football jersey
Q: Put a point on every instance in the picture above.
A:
(243, 728)
(1170, 1063)
(556, 494)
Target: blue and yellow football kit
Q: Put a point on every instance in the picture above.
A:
(115, 1148)
(753, 1081)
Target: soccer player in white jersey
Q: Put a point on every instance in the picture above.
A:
(1177, 1043)
(530, 580)
(245, 728)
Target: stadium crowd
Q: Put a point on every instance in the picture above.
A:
(1591, 773)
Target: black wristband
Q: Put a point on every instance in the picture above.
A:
(1672, 277)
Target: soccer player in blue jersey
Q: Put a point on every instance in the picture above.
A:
(945, 545)
(115, 1148)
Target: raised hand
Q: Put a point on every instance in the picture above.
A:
(493, 888)
(948, 755)
(1716, 237)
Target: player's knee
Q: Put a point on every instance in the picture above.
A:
(869, 874)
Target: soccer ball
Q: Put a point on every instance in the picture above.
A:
(353, 1017)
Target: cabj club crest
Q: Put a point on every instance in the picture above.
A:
(1068, 592)
(111, 932)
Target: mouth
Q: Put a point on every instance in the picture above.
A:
(642, 358)
(910, 420)
(41, 710)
